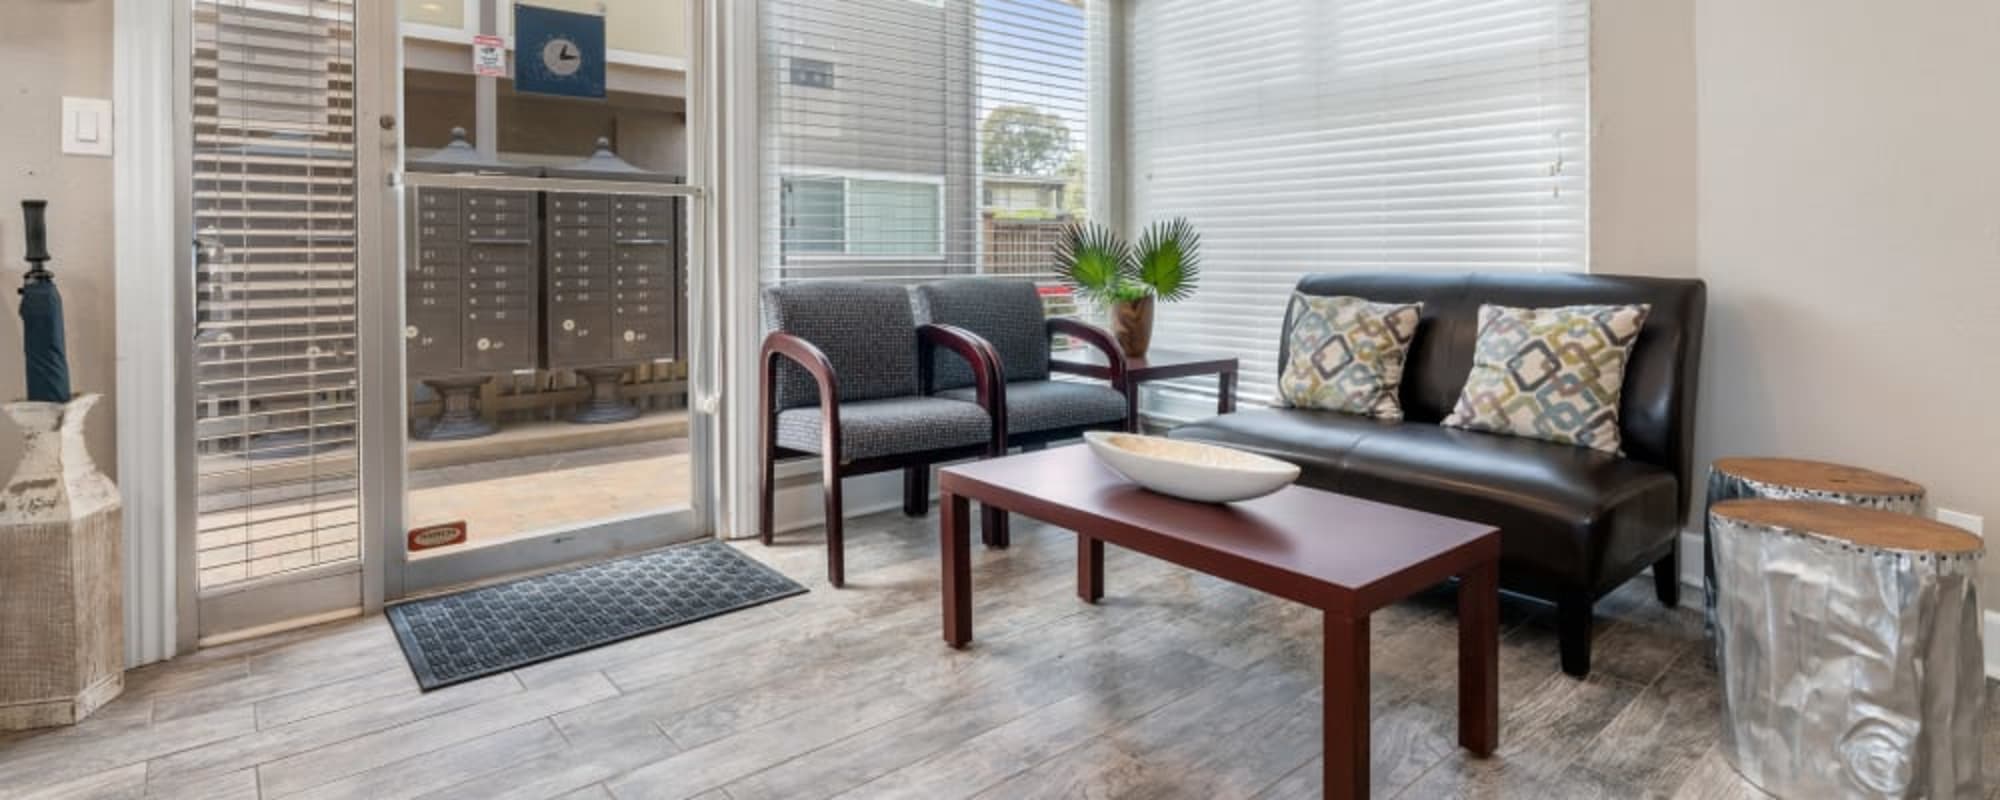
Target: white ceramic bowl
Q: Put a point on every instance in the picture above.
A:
(1190, 470)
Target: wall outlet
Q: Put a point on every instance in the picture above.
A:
(1960, 519)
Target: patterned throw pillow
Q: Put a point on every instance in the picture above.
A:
(1550, 373)
(1346, 354)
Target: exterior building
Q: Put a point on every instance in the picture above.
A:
(872, 142)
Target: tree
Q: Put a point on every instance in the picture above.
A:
(1021, 140)
(1075, 174)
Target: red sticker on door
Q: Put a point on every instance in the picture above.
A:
(430, 536)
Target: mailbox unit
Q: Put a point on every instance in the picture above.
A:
(470, 297)
(613, 291)
(500, 281)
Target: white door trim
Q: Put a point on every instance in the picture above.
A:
(738, 198)
(149, 101)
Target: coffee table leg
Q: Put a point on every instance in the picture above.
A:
(1345, 723)
(993, 527)
(1479, 659)
(955, 544)
(1225, 392)
(1089, 568)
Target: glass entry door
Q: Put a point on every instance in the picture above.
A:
(542, 269)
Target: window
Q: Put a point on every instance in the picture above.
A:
(862, 217)
(1352, 135)
(815, 215)
(812, 72)
(884, 173)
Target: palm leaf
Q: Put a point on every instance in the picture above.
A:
(1093, 259)
(1169, 259)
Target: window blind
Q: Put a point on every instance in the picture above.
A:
(906, 140)
(273, 171)
(1352, 135)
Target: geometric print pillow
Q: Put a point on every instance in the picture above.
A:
(1550, 373)
(1346, 354)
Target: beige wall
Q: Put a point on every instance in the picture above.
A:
(1642, 107)
(1832, 169)
(1849, 229)
(48, 49)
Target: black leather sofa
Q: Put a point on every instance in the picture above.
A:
(1575, 523)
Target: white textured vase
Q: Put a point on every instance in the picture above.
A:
(62, 623)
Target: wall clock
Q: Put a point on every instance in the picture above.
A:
(558, 52)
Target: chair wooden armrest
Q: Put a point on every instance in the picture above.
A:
(1099, 338)
(781, 345)
(989, 381)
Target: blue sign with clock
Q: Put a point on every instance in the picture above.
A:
(558, 52)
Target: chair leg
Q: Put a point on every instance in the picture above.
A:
(916, 491)
(767, 491)
(1573, 622)
(1667, 577)
(993, 526)
(836, 551)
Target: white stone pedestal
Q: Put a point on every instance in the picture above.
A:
(62, 622)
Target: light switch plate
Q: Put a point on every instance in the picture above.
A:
(86, 126)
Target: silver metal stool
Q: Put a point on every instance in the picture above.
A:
(1848, 641)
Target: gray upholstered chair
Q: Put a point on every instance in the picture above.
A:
(841, 381)
(1008, 314)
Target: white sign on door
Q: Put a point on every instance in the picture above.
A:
(489, 56)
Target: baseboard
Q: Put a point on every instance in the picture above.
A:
(1992, 638)
(799, 504)
(1691, 563)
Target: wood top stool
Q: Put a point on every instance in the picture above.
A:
(1848, 641)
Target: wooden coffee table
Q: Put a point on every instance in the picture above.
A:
(1341, 555)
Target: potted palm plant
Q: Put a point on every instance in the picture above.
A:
(1126, 281)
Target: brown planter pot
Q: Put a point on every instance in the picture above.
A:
(1132, 323)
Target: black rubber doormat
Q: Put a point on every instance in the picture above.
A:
(478, 632)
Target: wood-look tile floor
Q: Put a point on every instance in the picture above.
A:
(1178, 685)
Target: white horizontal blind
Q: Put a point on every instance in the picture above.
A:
(275, 288)
(911, 139)
(1353, 135)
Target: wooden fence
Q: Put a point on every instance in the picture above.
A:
(1019, 246)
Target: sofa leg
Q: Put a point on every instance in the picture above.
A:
(836, 550)
(916, 491)
(1573, 618)
(1667, 577)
